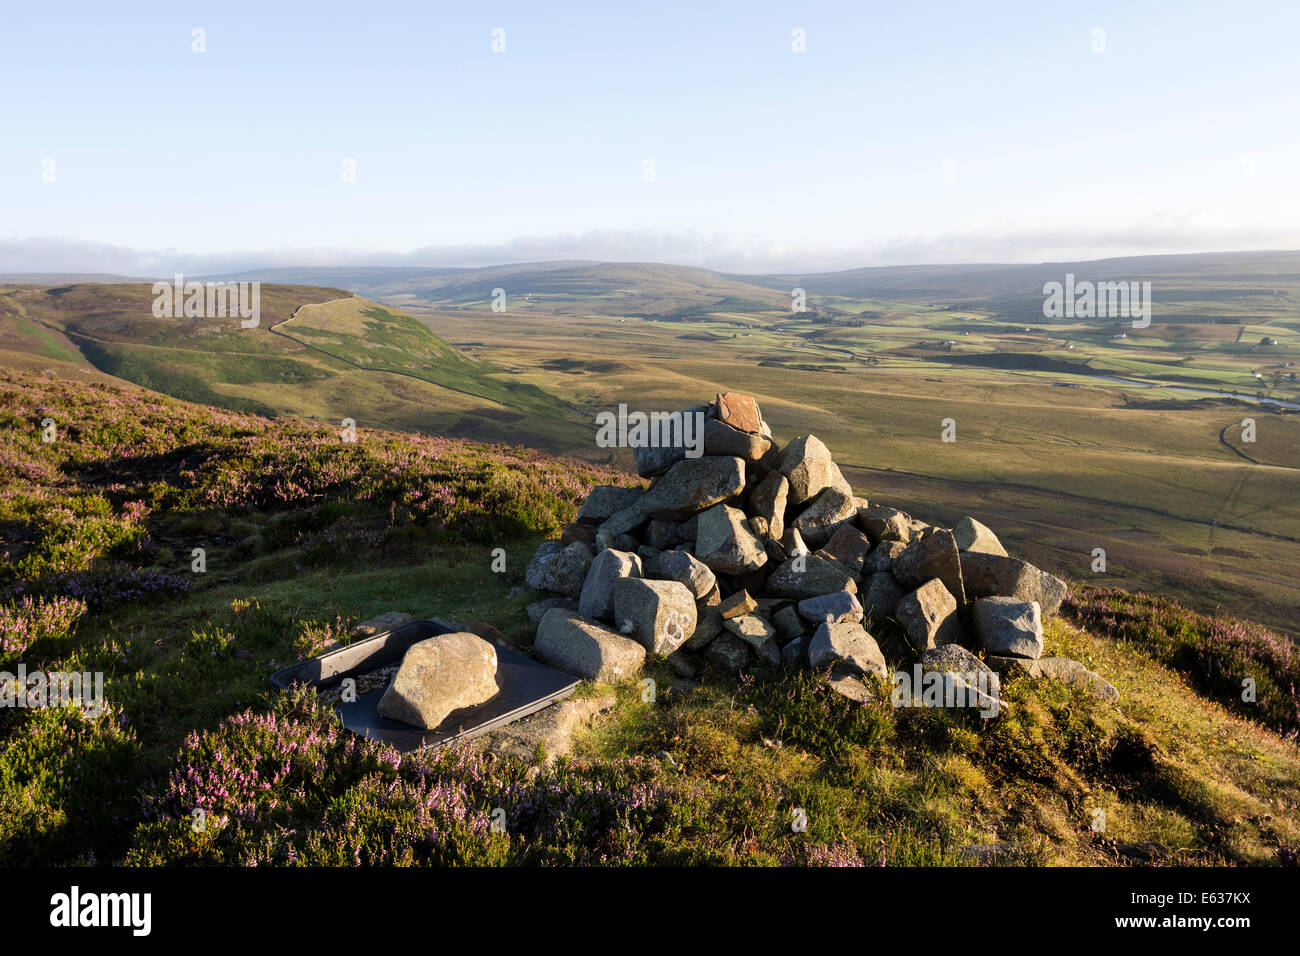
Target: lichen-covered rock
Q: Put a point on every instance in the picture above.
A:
(1009, 628)
(849, 547)
(438, 676)
(882, 557)
(725, 543)
(559, 569)
(848, 645)
(789, 625)
(597, 598)
(659, 614)
(692, 485)
(882, 523)
(929, 616)
(737, 605)
(807, 465)
(538, 609)
(585, 648)
(988, 575)
(810, 576)
(933, 556)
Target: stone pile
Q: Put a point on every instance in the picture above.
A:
(754, 554)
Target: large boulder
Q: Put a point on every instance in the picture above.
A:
(692, 485)
(1009, 628)
(597, 598)
(838, 607)
(933, 556)
(559, 569)
(758, 634)
(849, 547)
(684, 568)
(584, 648)
(970, 535)
(880, 596)
(929, 616)
(988, 575)
(807, 465)
(724, 541)
(882, 523)
(846, 646)
(440, 675)
(660, 615)
(767, 502)
(809, 576)
(828, 511)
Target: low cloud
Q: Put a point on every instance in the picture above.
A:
(752, 254)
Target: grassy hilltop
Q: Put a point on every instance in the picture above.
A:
(305, 533)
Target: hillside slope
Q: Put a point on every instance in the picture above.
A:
(304, 533)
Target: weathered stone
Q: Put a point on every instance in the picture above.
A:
(933, 556)
(384, 622)
(549, 732)
(848, 645)
(738, 410)
(559, 569)
(539, 608)
(827, 512)
(929, 616)
(686, 569)
(597, 598)
(725, 543)
(686, 530)
(795, 653)
(721, 439)
(692, 485)
(584, 648)
(708, 625)
(810, 576)
(662, 534)
(738, 605)
(988, 575)
(618, 524)
(849, 546)
(682, 663)
(676, 437)
(650, 558)
(970, 535)
(661, 614)
(1060, 669)
(838, 607)
(955, 659)
(882, 556)
(884, 524)
(789, 625)
(880, 596)
(767, 503)
(729, 653)
(758, 634)
(844, 682)
(806, 463)
(440, 675)
(1009, 628)
(586, 533)
(605, 500)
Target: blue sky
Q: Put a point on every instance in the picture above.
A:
(940, 131)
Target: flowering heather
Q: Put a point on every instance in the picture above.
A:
(1215, 654)
(31, 619)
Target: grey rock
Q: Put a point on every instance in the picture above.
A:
(729, 653)
(759, 635)
(650, 558)
(537, 609)
(848, 645)
(971, 535)
(987, 575)
(662, 534)
(929, 616)
(882, 523)
(794, 654)
(585, 648)
(605, 500)
(933, 556)
(693, 484)
(880, 596)
(767, 503)
(708, 625)
(810, 576)
(831, 509)
(789, 625)
(807, 465)
(438, 676)
(559, 569)
(721, 439)
(955, 659)
(1009, 628)
(882, 556)
(597, 598)
(725, 543)
(838, 607)
(849, 546)
(688, 570)
(848, 684)
(659, 614)
(551, 731)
